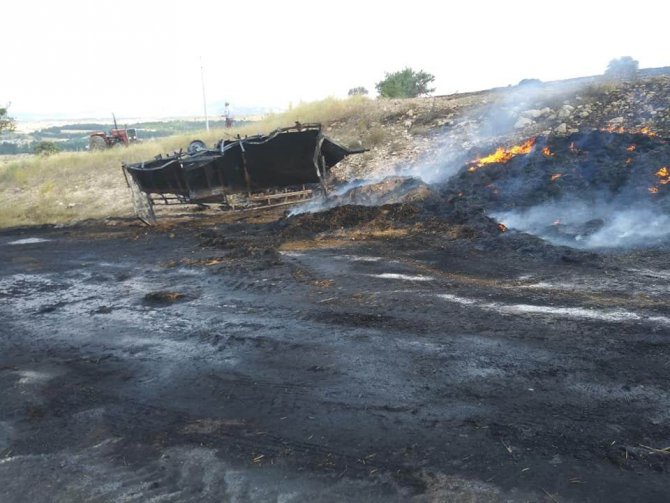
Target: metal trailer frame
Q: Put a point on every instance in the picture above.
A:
(281, 168)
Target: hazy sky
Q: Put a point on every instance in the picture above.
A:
(88, 58)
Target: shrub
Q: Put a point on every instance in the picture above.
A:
(46, 148)
(6, 122)
(529, 83)
(622, 68)
(358, 91)
(405, 83)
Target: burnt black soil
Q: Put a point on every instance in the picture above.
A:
(298, 359)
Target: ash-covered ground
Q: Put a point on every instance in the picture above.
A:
(489, 324)
(410, 351)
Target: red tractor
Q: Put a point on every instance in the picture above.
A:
(115, 138)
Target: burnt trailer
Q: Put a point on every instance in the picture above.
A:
(282, 167)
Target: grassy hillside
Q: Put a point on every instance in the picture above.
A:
(69, 187)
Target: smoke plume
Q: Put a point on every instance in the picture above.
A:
(591, 225)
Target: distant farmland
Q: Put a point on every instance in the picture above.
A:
(74, 137)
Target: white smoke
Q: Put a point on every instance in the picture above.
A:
(500, 117)
(333, 199)
(588, 225)
(490, 122)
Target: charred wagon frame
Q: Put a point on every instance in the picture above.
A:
(282, 167)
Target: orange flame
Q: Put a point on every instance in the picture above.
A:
(631, 148)
(615, 129)
(502, 227)
(647, 131)
(664, 175)
(556, 176)
(503, 154)
(620, 129)
(547, 152)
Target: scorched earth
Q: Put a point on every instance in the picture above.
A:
(391, 353)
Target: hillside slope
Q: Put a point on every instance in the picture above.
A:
(436, 129)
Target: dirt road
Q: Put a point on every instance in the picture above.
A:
(140, 365)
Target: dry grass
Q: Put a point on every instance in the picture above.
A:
(70, 187)
(314, 244)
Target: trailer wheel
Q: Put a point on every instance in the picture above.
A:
(196, 146)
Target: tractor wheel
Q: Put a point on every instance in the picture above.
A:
(97, 143)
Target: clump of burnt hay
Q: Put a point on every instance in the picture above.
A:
(307, 225)
(580, 166)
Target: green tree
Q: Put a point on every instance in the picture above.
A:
(405, 83)
(6, 122)
(622, 68)
(46, 148)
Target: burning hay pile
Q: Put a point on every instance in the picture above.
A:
(632, 166)
(598, 188)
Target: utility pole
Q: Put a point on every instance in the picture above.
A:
(204, 98)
